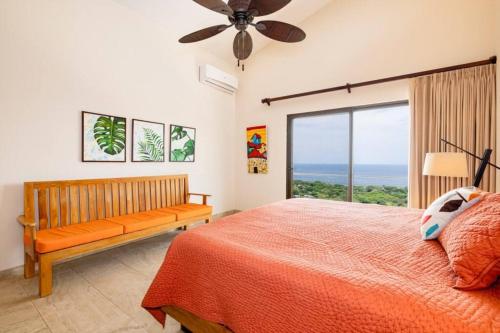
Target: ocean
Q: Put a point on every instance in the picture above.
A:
(363, 174)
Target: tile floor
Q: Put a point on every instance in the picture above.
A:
(97, 293)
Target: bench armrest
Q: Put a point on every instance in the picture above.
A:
(25, 222)
(29, 236)
(205, 196)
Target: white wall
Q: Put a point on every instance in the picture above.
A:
(352, 41)
(59, 57)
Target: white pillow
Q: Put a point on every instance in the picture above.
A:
(445, 208)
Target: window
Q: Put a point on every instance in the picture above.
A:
(353, 154)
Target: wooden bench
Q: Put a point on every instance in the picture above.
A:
(71, 218)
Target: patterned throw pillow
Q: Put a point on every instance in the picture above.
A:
(446, 208)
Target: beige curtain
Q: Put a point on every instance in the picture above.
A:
(458, 106)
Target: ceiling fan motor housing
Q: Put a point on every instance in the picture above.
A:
(241, 20)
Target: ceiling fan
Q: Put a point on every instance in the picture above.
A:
(241, 14)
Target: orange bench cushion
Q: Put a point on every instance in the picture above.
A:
(49, 240)
(187, 211)
(144, 220)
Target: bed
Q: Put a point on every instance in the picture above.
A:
(306, 265)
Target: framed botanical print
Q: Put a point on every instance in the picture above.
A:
(182, 143)
(103, 138)
(148, 141)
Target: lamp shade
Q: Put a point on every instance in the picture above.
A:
(446, 164)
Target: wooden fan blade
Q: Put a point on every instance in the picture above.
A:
(239, 5)
(281, 31)
(243, 45)
(218, 6)
(203, 34)
(266, 7)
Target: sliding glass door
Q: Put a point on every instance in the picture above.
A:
(352, 154)
(321, 167)
(380, 155)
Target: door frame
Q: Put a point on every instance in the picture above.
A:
(350, 110)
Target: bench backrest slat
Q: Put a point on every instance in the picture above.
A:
(74, 198)
(54, 207)
(54, 204)
(92, 202)
(63, 200)
(43, 216)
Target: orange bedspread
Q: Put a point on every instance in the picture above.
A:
(319, 266)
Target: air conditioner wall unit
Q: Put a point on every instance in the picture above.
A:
(218, 79)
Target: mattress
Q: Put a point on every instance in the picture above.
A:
(306, 265)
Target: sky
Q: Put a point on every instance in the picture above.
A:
(381, 136)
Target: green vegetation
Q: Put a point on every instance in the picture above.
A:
(382, 195)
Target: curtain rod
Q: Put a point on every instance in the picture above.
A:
(349, 86)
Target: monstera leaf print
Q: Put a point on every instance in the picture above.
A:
(178, 133)
(189, 148)
(178, 155)
(109, 133)
(151, 149)
(182, 144)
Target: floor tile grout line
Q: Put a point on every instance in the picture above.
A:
(132, 268)
(41, 316)
(27, 293)
(26, 320)
(106, 297)
(46, 328)
(173, 234)
(135, 270)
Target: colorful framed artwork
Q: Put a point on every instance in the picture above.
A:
(182, 143)
(257, 149)
(103, 138)
(148, 141)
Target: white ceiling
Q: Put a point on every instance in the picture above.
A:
(181, 17)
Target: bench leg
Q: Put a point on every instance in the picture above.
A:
(45, 276)
(29, 266)
(209, 220)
